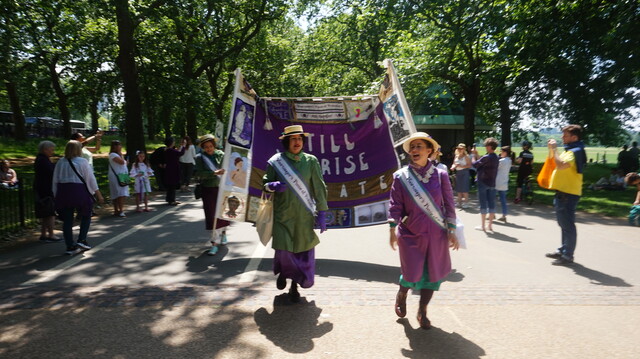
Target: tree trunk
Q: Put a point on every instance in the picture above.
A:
(93, 110)
(19, 132)
(219, 98)
(505, 120)
(134, 129)
(63, 105)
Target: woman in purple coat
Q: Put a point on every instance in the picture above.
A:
(422, 221)
(172, 169)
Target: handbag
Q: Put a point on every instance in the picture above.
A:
(197, 191)
(544, 177)
(123, 178)
(45, 207)
(264, 218)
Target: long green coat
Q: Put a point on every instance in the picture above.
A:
(293, 223)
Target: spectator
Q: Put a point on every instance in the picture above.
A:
(614, 182)
(566, 179)
(42, 187)
(87, 152)
(461, 165)
(8, 176)
(187, 161)
(117, 167)
(487, 167)
(626, 162)
(74, 186)
(525, 160)
(141, 171)
(635, 153)
(158, 164)
(502, 179)
(633, 179)
(172, 169)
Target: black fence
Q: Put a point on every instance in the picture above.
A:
(16, 208)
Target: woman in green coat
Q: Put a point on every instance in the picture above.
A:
(300, 193)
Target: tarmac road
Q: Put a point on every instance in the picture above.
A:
(148, 290)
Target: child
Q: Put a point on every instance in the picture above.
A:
(502, 179)
(141, 171)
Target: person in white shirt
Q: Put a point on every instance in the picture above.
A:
(74, 187)
(187, 163)
(502, 179)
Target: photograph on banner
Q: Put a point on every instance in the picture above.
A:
(386, 89)
(324, 111)
(398, 125)
(339, 217)
(361, 110)
(372, 213)
(233, 206)
(247, 90)
(237, 169)
(242, 125)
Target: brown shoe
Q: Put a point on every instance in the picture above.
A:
(401, 304)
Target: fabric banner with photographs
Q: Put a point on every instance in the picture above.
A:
(354, 139)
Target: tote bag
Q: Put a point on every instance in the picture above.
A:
(544, 177)
(264, 219)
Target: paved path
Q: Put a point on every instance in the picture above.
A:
(148, 290)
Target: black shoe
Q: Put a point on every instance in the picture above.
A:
(294, 295)
(554, 255)
(281, 282)
(562, 261)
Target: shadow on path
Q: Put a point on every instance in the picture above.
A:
(436, 343)
(292, 327)
(597, 277)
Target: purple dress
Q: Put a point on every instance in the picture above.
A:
(420, 240)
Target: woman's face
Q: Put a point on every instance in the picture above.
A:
(419, 152)
(141, 157)
(504, 154)
(239, 165)
(295, 144)
(48, 151)
(208, 147)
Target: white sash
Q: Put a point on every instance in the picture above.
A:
(290, 175)
(421, 197)
(208, 163)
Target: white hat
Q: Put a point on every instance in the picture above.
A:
(293, 130)
(419, 136)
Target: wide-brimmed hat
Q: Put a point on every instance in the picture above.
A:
(419, 136)
(293, 130)
(206, 138)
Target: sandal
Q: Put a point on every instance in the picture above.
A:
(401, 304)
(424, 322)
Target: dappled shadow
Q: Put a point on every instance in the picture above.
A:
(292, 327)
(597, 277)
(436, 343)
(173, 331)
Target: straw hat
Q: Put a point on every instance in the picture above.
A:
(206, 138)
(419, 136)
(293, 130)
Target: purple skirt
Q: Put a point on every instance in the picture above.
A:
(74, 195)
(299, 267)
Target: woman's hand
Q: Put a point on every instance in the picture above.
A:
(99, 197)
(393, 239)
(453, 241)
(219, 172)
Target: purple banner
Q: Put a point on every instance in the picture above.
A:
(357, 157)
